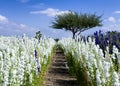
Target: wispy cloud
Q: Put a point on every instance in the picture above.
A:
(13, 28)
(112, 27)
(50, 12)
(112, 19)
(117, 12)
(111, 24)
(3, 19)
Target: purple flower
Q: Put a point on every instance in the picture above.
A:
(35, 54)
(37, 61)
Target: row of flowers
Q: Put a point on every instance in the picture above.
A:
(90, 65)
(103, 39)
(21, 59)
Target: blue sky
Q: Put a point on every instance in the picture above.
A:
(29, 16)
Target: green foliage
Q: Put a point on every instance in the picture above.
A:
(78, 70)
(75, 22)
(57, 39)
(38, 35)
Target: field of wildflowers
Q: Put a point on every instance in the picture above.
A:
(22, 60)
(107, 39)
(90, 65)
(94, 62)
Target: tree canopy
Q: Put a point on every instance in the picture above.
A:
(38, 35)
(76, 23)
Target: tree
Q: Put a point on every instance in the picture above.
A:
(76, 23)
(38, 35)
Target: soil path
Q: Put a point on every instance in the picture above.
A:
(58, 74)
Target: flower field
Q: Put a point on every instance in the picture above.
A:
(107, 39)
(88, 63)
(22, 60)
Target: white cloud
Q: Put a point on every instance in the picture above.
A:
(113, 27)
(23, 25)
(3, 19)
(17, 26)
(8, 27)
(112, 19)
(50, 12)
(117, 12)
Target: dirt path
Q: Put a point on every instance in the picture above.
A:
(58, 74)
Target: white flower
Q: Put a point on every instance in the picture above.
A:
(95, 63)
(113, 56)
(116, 84)
(115, 50)
(101, 53)
(115, 77)
(1, 55)
(106, 69)
(14, 72)
(31, 77)
(100, 65)
(118, 56)
(29, 67)
(98, 78)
